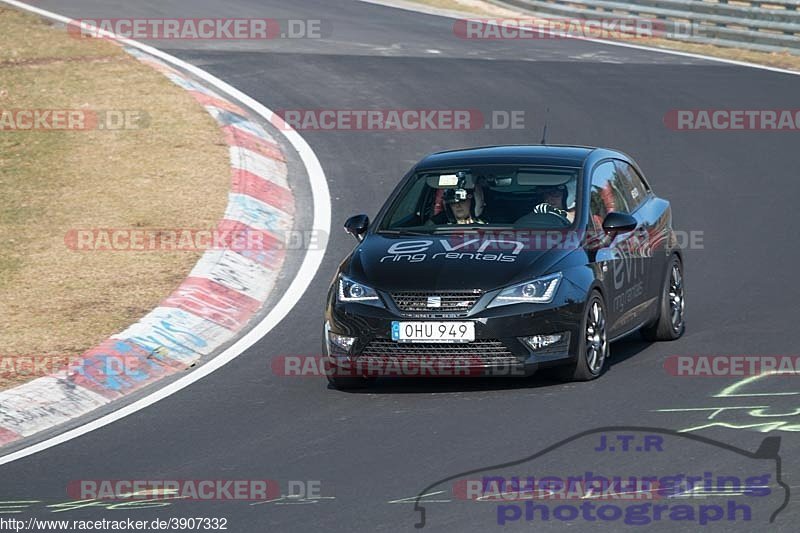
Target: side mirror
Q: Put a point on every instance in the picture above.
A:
(357, 226)
(616, 223)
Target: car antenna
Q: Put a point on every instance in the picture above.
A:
(544, 131)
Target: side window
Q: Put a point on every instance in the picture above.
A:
(607, 193)
(635, 189)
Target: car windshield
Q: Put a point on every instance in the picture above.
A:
(526, 197)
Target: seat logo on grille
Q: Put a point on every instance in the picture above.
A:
(434, 301)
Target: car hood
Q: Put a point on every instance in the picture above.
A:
(441, 262)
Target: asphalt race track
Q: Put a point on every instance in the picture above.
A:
(374, 451)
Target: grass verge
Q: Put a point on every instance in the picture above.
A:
(170, 170)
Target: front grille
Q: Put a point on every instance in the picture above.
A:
(436, 302)
(491, 350)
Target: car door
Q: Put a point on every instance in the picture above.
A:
(621, 258)
(650, 214)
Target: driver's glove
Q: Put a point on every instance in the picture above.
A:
(545, 208)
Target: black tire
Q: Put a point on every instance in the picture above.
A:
(671, 322)
(586, 367)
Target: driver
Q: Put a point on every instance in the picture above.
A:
(554, 200)
(462, 206)
(461, 203)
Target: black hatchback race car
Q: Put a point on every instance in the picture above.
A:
(503, 260)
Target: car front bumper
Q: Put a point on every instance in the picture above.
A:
(499, 348)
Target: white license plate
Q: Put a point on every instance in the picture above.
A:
(433, 331)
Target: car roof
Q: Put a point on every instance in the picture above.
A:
(555, 155)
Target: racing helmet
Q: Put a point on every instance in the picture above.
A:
(467, 188)
(561, 189)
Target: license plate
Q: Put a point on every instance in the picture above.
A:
(433, 331)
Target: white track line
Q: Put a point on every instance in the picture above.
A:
(446, 13)
(306, 273)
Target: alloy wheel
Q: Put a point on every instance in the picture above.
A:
(596, 341)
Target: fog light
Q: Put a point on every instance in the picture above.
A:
(340, 341)
(537, 342)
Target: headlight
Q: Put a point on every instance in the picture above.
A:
(538, 291)
(351, 291)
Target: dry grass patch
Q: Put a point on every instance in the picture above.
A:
(172, 173)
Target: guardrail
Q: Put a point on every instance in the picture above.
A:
(768, 25)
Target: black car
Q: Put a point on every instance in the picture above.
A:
(503, 260)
